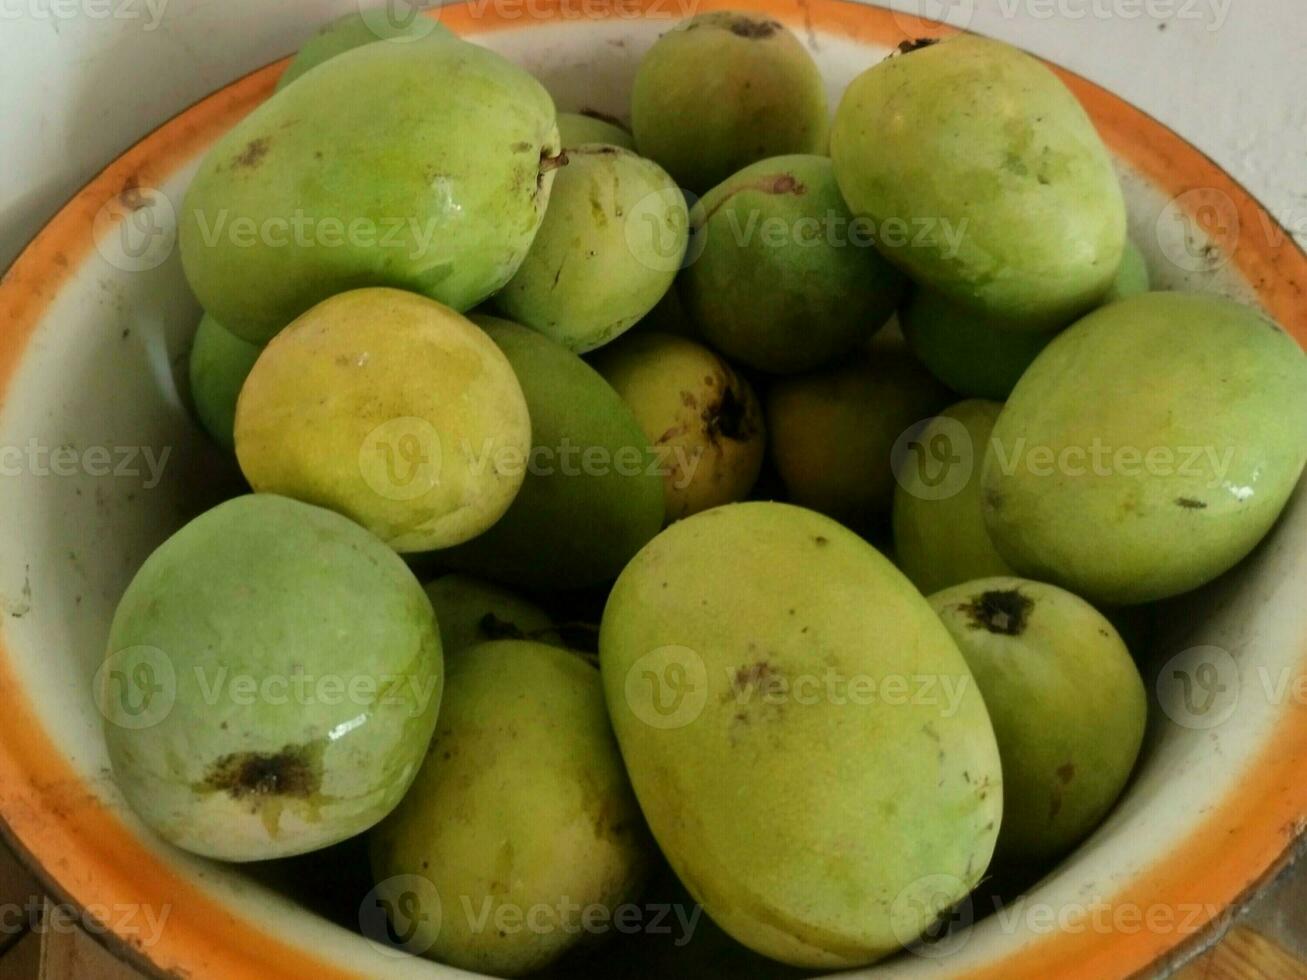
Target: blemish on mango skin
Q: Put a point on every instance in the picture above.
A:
(1190, 503)
(1004, 612)
(253, 153)
(295, 771)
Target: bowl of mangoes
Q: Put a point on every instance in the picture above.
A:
(764, 490)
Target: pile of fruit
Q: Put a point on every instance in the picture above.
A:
(726, 586)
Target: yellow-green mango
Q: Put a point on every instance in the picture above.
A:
(701, 417)
(392, 409)
(1131, 275)
(985, 179)
(1066, 700)
(782, 277)
(471, 611)
(219, 364)
(939, 526)
(805, 740)
(424, 166)
(272, 677)
(353, 30)
(833, 432)
(1148, 448)
(521, 822)
(593, 492)
(607, 251)
(722, 90)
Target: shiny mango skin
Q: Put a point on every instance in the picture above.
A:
(218, 365)
(353, 31)
(471, 611)
(1216, 392)
(522, 802)
(971, 136)
(701, 417)
(415, 165)
(576, 128)
(301, 670)
(1067, 703)
(722, 90)
(607, 251)
(391, 409)
(777, 279)
(939, 528)
(570, 527)
(809, 826)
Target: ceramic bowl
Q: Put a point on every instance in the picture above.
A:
(101, 462)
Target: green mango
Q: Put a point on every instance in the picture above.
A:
(701, 417)
(973, 355)
(607, 251)
(272, 678)
(939, 527)
(985, 180)
(520, 833)
(425, 166)
(219, 364)
(355, 30)
(588, 126)
(833, 432)
(780, 278)
(1131, 275)
(823, 806)
(1148, 448)
(391, 409)
(722, 90)
(1067, 703)
(593, 493)
(471, 611)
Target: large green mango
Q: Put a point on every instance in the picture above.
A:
(984, 180)
(425, 166)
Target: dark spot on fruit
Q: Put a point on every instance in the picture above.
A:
(1189, 503)
(915, 44)
(495, 628)
(688, 399)
(754, 29)
(786, 184)
(292, 772)
(520, 147)
(821, 541)
(1000, 611)
(727, 417)
(255, 150)
(1066, 772)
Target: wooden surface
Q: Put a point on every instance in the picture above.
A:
(39, 942)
